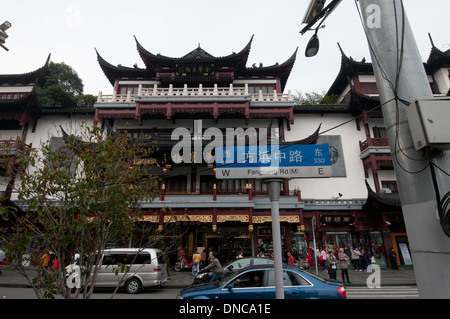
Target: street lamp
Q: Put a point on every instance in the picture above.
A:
(313, 46)
(3, 35)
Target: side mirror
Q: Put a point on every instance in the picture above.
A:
(229, 287)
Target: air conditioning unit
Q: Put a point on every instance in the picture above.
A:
(429, 123)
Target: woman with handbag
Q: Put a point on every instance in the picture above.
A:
(343, 262)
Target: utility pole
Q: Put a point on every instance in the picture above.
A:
(274, 187)
(401, 79)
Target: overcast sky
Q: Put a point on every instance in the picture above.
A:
(70, 30)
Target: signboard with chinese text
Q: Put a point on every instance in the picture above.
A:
(195, 69)
(280, 161)
(337, 220)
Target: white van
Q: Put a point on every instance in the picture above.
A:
(142, 268)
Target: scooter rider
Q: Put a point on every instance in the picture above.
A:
(216, 268)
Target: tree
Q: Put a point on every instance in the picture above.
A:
(79, 194)
(314, 98)
(63, 87)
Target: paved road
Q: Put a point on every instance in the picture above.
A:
(8, 293)
(385, 292)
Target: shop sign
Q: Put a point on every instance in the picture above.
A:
(337, 220)
(195, 69)
(267, 231)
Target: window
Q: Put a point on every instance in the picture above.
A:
(264, 89)
(369, 88)
(125, 89)
(249, 279)
(289, 279)
(239, 264)
(391, 185)
(126, 259)
(379, 132)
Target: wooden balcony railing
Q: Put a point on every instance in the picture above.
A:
(373, 142)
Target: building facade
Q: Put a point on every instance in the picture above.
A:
(358, 206)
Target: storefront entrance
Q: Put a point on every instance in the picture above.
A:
(226, 245)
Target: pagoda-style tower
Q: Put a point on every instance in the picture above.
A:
(197, 85)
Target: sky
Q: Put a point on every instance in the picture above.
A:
(71, 31)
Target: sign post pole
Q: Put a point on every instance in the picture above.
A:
(274, 187)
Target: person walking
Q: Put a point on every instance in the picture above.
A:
(362, 259)
(343, 259)
(216, 268)
(332, 265)
(196, 258)
(356, 254)
(51, 262)
(203, 259)
(368, 258)
(291, 259)
(393, 259)
(45, 259)
(323, 255)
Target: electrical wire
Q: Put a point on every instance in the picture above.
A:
(444, 203)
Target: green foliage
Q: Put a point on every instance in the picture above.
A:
(314, 98)
(63, 87)
(79, 196)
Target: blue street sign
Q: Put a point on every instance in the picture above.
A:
(283, 161)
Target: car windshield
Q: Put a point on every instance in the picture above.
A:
(226, 278)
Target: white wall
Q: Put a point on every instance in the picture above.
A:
(353, 185)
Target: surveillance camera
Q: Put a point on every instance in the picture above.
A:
(340, 195)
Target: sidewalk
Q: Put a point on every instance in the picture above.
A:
(178, 280)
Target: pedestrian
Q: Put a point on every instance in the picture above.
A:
(203, 259)
(45, 259)
(368, 258)
(343, 263)
(332, 265)
(323, 255)
(196, 258)
(51, 263)
(216, 268)
(362, 259)
(356, 254)
(76, 259)
(393, 258)
(291, 259)
(2, 258)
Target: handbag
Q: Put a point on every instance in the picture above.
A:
(344, 265)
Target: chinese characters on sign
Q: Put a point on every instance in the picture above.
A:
(294, 161)
(195, 69)
(337, 220)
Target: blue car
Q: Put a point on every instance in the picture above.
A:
(258, 282)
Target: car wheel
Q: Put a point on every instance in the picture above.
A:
(133, 286)
(177, 267)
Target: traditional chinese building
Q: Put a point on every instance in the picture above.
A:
(357, 206)
(196, 92)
